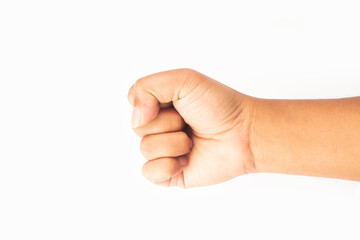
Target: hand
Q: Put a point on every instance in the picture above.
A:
(195, 130)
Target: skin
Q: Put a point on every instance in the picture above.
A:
(198, 132)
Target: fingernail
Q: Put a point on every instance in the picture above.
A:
(136, 117)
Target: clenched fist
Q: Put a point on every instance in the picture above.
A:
(195, 130)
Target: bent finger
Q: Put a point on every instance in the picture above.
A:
(165, 145)
(168, 120)
(161, 170)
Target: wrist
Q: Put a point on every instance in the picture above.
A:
(248, 106)
(256, 133)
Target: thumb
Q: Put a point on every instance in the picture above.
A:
(146, 107)
(149, 92)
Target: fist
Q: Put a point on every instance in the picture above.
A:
(195, 131)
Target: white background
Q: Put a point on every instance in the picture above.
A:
(70, 166)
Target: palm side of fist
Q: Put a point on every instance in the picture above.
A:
(195, 131)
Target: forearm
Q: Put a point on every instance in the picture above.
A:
(307, 137)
